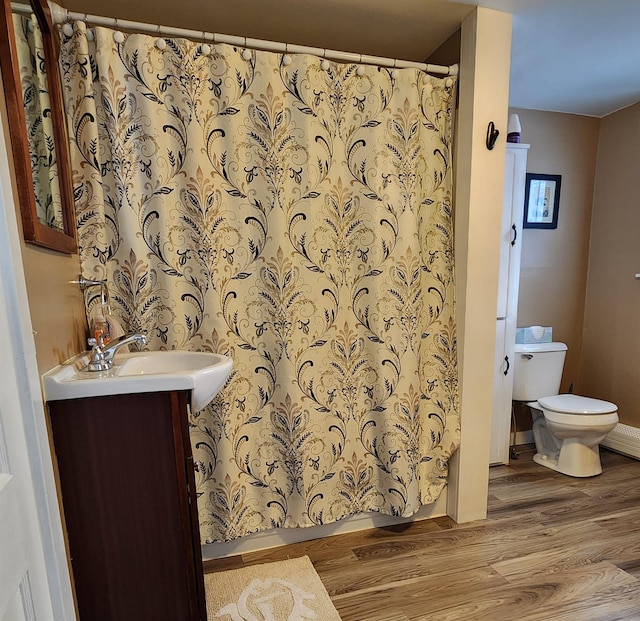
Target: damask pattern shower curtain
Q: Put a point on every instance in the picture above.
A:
(297, 218)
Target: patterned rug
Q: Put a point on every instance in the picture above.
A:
(283, 591)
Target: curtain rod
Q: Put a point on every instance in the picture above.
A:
(60, 15)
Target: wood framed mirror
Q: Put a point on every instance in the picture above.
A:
(33, 94)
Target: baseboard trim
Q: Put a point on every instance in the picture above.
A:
(284, 536)
(524, 437)
(623, 439)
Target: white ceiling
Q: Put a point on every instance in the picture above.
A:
(576, 56)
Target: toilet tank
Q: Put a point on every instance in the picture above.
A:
(537, 370)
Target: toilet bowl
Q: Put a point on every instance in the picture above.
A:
(567, 428)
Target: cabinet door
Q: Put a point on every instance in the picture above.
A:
(516, 169)
(122, 463)
(507, 306)
(508, 232)
(500, 421)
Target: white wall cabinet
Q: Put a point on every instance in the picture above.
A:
(507, 305)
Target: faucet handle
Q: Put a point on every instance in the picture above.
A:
(95, 343)
(97, 360)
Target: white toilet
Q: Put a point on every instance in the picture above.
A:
(567, 429)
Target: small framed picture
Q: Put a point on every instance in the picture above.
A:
(541, 201)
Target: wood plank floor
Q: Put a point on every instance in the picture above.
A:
(553, 548)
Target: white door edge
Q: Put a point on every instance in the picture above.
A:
(19, 361)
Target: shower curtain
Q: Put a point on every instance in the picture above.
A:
(296, 216)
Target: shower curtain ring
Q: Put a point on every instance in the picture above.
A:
(286, 57)
(394, 72)
(118, 36)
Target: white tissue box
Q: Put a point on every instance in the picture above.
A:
(534, 334)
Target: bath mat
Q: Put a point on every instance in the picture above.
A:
(288, 590)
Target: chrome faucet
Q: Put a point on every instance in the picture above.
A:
(102, 355)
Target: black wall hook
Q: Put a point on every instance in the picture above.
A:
(492, 136)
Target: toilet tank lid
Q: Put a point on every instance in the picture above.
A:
(536, 348)
(575, 404)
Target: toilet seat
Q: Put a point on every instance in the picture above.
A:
(575, 404)
(577, 410)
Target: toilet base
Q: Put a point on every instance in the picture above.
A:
(575, 459)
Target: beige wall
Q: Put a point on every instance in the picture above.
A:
(611, 340)
(449, 52)
(56, 307)
(553, 272)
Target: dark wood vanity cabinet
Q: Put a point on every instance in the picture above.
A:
(128, 493)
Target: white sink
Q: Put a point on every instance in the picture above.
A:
(202, 373)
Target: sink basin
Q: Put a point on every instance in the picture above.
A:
(165, 362)
(202, 373)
